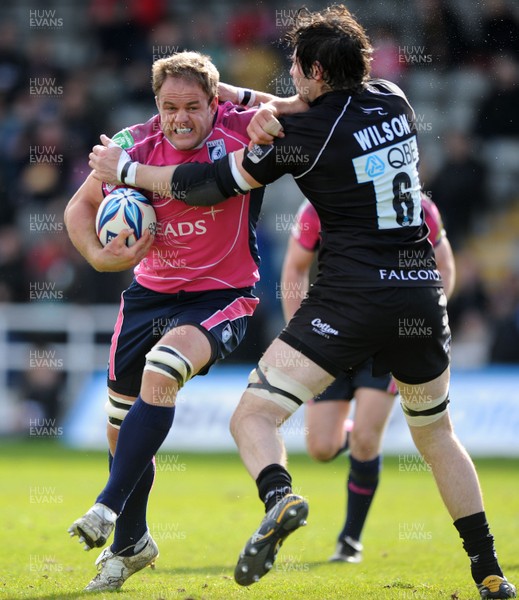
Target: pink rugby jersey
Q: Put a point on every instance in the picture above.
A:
(197, 248)
(433, 220)
(307, 227)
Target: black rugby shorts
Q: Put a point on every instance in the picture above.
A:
(405, 330)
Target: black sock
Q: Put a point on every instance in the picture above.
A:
(479, 545)
(274, 482)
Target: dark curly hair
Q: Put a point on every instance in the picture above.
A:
(337, 41)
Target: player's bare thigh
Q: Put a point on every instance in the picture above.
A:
(194, 345)
(296, 365)
(191, 342)
(421, 394)
(429, 433)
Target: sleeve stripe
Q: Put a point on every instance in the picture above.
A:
(326, 141)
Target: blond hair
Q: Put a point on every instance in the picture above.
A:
(192, 66)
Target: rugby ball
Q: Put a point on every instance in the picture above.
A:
(122, 209)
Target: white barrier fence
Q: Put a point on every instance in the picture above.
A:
(53, 336)
(484, 403)
(484, 407)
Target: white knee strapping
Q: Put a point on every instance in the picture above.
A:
(117, 408)
(272, 384)
(168, 361)
(424, 411)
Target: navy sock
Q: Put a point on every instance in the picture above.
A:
(274, 482)
(142, 432)
(362, 484)
(131, 524)
(479, 545)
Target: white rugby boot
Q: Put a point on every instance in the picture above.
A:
(114, 570)
(95, 526)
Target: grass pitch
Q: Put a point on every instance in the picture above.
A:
(204, 507)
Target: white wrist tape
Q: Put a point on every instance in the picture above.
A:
(126, 169)
(130, 176)
(246, 97)
(238, 177)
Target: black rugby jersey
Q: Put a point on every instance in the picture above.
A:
(355, 158)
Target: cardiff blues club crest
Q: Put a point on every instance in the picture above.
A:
(216, 149)
(226, 333)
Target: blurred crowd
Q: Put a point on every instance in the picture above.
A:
(69, 74)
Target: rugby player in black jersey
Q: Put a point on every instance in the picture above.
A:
(378, 292)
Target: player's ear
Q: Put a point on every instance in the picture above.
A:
(317, 71)
(213, 105)
(157, 102)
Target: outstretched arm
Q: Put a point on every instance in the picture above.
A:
(249, 98)
(263, 127)
(242, 96)
(196, 184)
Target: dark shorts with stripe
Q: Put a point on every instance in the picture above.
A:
(405, 330)
(344, 387)
(145, 316)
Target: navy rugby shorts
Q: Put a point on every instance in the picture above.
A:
(346, 383)
(405, 330)
(145, 316)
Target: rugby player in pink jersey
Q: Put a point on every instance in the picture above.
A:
(329, 431)
(187, 306)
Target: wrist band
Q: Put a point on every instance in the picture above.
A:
(126, 169)
(246, 97)
(129, 173)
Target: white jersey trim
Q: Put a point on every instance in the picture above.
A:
(394, 90)
(326, 141)
(143, 277)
